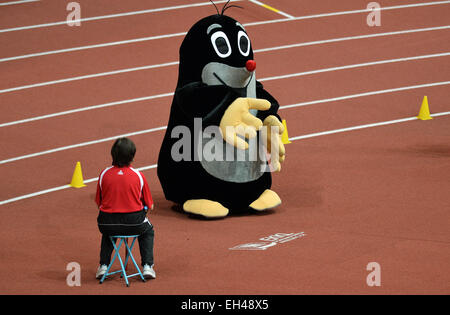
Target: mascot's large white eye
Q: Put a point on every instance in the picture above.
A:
(243, 43)
(221, 44)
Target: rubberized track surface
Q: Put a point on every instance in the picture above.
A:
(368, 193)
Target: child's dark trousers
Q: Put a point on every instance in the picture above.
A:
(134, 223)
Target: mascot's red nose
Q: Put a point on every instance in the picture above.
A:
(250, 65)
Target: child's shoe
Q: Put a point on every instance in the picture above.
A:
(101, 271)
(148, 272)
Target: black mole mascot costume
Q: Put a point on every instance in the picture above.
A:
(217, 87)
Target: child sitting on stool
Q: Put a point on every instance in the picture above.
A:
(123, 197)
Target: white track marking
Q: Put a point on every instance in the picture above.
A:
(209, 3)
(341, 98)
(42, 192)
(82, 109)
(146, 98)
(123, 42)
(89, 76)
(103, 74)
(315, 16)
(46, 191)
(383, 123)
(110, 16)
(341, 39)
(82, 144)
(319, 42)
(165, 127)
(176, 63)
(17, 2)
(130, 41)
(272, 9)
(313, 135)
(68, 112)
(299, 104)
(359, 65)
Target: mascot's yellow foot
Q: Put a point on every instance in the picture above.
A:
(206, 208)
(268, 200)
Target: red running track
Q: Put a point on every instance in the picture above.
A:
(377, 194)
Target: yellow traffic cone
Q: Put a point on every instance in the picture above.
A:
(285, 136)
(424, 113)
(77, 177)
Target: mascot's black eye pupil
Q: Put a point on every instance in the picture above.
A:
(243, 43)
(222, 45)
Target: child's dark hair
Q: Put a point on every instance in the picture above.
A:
(122, 152)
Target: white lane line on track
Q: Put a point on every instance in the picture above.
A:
(341, 39)
(123, 42)
(171, 93)
(46, 191)
(89, 76)
(341, 98)
(151, 97)
(318, 42)
(17, 2)
(209, 3)
(383, 123)
(359, 65)
(272, 9)
(346, 97)
(313, 135)
(176, 63)
(110, 16)
(315, 16)
(82, 109)
(165, 127)
(83, 144)
(130, 41)
(103, 74)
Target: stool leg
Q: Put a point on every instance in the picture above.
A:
(132, 258)
(123, 269)
(124, 274)
(127, 252)
(116, 253)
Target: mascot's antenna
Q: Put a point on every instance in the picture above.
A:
(215, 7)
(226, 6)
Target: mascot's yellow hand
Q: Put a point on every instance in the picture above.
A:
(238, 121)
(275, 147)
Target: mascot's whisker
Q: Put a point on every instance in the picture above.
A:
(218, 78)
(224, 83)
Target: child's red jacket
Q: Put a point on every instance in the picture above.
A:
(122, 190)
